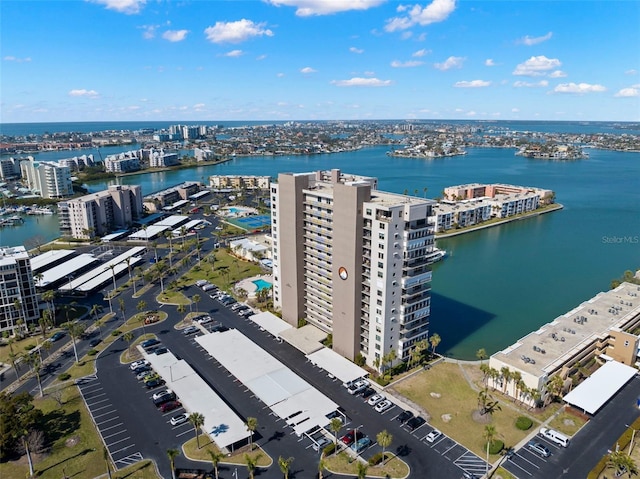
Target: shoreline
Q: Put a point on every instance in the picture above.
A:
(469, 229)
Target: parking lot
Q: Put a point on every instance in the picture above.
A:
(526, 463)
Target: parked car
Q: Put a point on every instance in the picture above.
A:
(358, 386)
(361, 444)
(170, 406)
(164, 392)
(136, 364)
(154, 383)
(246, 313)
(539, 448)
(161, 350)
(433, 436)
(404, 416)
(375, 399)
(94, 342)
(209, 287)
(415, 423)
(228, 301)
(179, 419)
(56, 337)
(383, 405)
(201, 282)
(190, 330)
(349, 437)
(218, 328)
(144, 374)
(367, 392)
(238, 306)
(149, 342)
(204, 320)
(141, 369)
(151, 377)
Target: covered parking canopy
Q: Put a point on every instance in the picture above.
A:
(596, 390)
(337, 365)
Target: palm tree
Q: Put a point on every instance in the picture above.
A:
(322, 465)
(95, 309)
(128, 261)
(181, 309)
(197, 421)
(252, 463)
(33, 361)
(334, 426)
(112, 267)
(434, 340)
(622, 462)
(361, 470)
(216, 457)
(489, 435)
(196, 299)
(49, 296)
(123, 308)
(74, 330)
(252, 425)
(141, 306)
(384, 438)
(169, 235)
(516, 378)
(183, 233)
(160, 268)
(172, 453)
(486, 403)
(481, 354)
(128, 337)
(506, 377)
(105, 456)
(285, 464)
(554, 387)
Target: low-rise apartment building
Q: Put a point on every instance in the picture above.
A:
(18, 298)
(450, 215)
(123, 162)
(604, 326)
(158, 200)
(238, 182)
(99, 213)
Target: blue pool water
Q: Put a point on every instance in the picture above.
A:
(235, 210)
(261, 284)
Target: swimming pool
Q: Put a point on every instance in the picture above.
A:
(261, 284)
(234, 210)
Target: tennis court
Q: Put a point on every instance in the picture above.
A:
(251, 222)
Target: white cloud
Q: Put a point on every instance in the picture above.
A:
(628, 92)
(10, 58)
(579, 88)
(449, 63)
(527, 40)
(356, 50)
(84, 93)
(306, 8)
(515, 110)
(521, 84)
(356, 81)
(489, 62)
(421, 53)
(407, 64)
(175, 35)
(436, 11)
(234, 53)
(557, 74)
(236, 32)
(632, 71)
(536, 66)
(149, 31)
(307, 70)
(406, 35)
(472, 84)
(471, 113)
(129, 7)
(261, 57)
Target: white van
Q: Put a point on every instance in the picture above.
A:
(555, 436)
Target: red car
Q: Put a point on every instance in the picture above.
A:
(170, 406)
(349, 438)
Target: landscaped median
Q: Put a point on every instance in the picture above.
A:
(343, 463)
(237, 458)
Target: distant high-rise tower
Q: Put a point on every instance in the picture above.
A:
(353, 261)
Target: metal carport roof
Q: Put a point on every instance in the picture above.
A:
(337, 365)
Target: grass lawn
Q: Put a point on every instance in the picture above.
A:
(567, 423)
(342, 463)
(139, 470)
(75, 447)
(171, 296)
(224, 272)
(501, 473)
(190, 450)
(446, 395)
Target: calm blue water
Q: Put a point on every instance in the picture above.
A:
(262, 284)
(497, 284)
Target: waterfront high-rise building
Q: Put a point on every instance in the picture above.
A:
(18, 299)
(353, 261)
(47, 178)
(98, 213)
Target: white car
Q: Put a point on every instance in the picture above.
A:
(205, 320)
(137, 364)
(179, 419)
(433, 436)
(375, 399)
(383, 405)
(161, 393)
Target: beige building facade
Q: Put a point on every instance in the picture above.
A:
(351, 260)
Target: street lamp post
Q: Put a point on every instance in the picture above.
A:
(633, 436)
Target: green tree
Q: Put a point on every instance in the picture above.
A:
(361, 470)
(196, 299)
(34, 361)
(487, 404)
(335, 425)
(216, 457)
(172, 453)
(169, 235)
(252, 425)
(141, 306)
(123, 308)
(285, 464)
(128, 337)
(49, 296)
(622, 463)
(18, 416)
(554, 387)
(322, 465)
(489, 435)
(197, 421)
(434, 340)
(481, 354)
(384, 439)
(252, 463)
(75, 330)
(95, 309)
(506, 378)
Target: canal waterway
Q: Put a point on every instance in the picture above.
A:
(499, 283)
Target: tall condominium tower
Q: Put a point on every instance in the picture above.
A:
(353, 261)
(18, 298)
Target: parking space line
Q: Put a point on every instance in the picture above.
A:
(106, 413)
(106, 420)
(454, 445)
(121, 440)
(120, 450)
(97, 402)
(188, 431)
(93, 396)
(520, 467)
(111, 427)
(101, 407)
(123, 431)
(532, 463)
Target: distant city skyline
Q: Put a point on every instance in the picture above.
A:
(161, 60)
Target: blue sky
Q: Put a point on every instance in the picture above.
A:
(122, 60)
